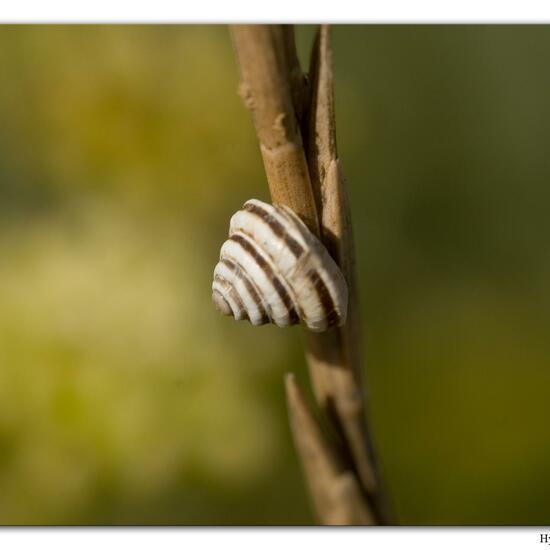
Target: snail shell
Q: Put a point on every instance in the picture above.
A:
(272, 269)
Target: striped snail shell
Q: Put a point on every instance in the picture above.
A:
(272, 269)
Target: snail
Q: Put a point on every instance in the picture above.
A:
(272, 269)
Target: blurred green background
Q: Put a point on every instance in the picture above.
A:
(126, 399)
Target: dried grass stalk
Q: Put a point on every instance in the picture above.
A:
(295, 125)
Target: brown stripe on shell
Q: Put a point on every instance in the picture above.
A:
(241, 274)
(289, 215)
(234, 294)
(229, 263)
(266, 268)
(277, 227)
(280, 231)
(325, 298)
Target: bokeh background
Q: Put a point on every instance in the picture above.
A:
(126, 399)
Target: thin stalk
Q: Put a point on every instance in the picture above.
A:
(296, 133)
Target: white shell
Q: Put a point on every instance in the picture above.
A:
(272, 269)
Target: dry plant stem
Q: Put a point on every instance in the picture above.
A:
(335, 491)
(341, 375)
(298, 84)
(273, 88)
(265, 89)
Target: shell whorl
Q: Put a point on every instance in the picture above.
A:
(272, 269)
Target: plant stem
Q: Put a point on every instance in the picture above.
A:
(305, 174)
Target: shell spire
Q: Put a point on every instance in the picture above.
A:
(272, 269)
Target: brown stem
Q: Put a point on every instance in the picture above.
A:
(266, 91)
(305, 175)
(334, 489)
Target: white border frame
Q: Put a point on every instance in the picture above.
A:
(350, 538)
(287, 11)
